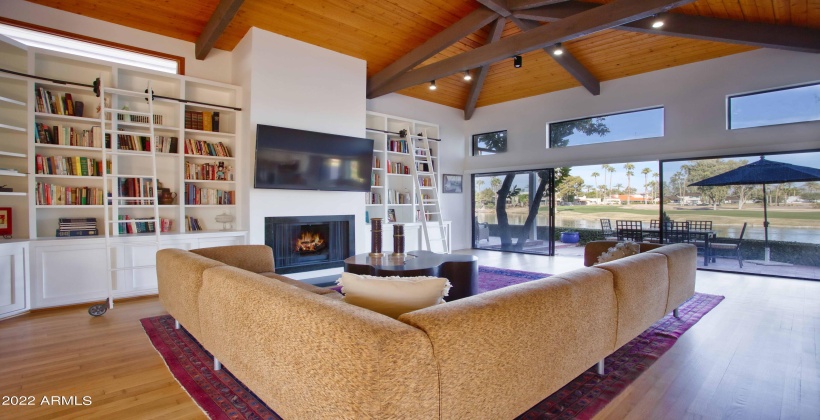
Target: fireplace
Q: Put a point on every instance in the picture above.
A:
(307, 243)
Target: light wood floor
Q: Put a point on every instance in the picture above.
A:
(756, 355)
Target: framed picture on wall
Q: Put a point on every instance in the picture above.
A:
(452, 183)
(5, 222)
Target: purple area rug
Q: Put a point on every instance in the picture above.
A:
(222, 396)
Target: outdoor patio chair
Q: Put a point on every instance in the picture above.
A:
(629, 230)
(699, 240)
(676, 232)
(606, 230)
(653, 237)
(729, 244)
(483, 231)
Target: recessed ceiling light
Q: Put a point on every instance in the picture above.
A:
(467, 75)
(517, 61)
(657, 22)
(432, 85)
(558, 49)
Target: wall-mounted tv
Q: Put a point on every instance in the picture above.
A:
(307, 160)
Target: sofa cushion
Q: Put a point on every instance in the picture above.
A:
(254, 258)
(594, 249)
(641, 288)
(393, 296)
(682, 265)
(304, 286)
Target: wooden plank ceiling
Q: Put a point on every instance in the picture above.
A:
(383, 31)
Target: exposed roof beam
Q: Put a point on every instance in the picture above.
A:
(567, 61)
(611, 14)
(478, 81)
(529, 4)
(449, 36)
(498, 6)
(224, 13)
(765, 35)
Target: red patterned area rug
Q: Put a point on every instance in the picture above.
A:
(222, 396)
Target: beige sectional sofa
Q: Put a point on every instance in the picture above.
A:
(308, 354)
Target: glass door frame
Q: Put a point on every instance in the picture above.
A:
(549, 190)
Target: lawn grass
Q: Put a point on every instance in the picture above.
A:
(743, 214)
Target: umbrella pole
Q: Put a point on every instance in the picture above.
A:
(765, 227)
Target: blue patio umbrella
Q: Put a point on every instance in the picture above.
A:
(762, 172)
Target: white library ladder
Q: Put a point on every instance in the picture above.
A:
(125, 125)
(429, 204)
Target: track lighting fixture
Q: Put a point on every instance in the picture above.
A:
(517, 61)
(467, 75)
(432, 85)
(558, 49)
(657, 21)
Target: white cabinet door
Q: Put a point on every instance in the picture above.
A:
(13, 261)
(65, 275)
(221, 241)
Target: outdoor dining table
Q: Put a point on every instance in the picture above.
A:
(706, 234)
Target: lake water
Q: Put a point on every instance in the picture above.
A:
(754, 230)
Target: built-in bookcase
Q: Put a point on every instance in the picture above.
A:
(14, 131)
(200, 198)
(393, 190)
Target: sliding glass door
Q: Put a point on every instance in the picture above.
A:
(514, 211)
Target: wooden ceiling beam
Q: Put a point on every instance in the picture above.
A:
(481, 74)
(566, 60)
(477, 19)
(222, 16)
(611, 14)
(529, 4)
(498, 6)
(792, 38)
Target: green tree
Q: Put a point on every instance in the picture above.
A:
(595, 176)
(560, 132)
(492, 143)
(707, 168)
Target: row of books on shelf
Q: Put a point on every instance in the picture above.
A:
(77, 226)
(398, 146)
(58, 195)
(67, 136)
(398, 197)
(193, 224)
(397, 168)
(55, 104)
(373, 198)
(129, 225)
(143, 143)
(427, 217)
(204, 148)
(425, 181)
(72, 165)
(375, 180)
(208, 196)
(424, 167)
(136, 187)
(377, 164)
(202, 120)
(216, 171)
(143, 119)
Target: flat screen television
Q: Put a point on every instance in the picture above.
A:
(307, 160)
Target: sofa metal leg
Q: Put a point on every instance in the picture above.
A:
(217, 364)
(601, 367)
(176, 325)
(676, 313)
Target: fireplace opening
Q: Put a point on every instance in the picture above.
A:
(308, 243)
(312, 239)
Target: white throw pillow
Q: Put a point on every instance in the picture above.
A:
(622, 249)
(393, 296)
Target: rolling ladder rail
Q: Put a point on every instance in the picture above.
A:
(427, 206)
(111, 181)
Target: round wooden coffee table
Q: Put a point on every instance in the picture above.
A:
(461, 270)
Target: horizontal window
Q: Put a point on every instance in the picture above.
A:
(646, 123)
(490, 143)
(773, 107)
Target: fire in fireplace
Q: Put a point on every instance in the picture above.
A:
(311, 240)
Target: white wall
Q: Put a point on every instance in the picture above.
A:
(455, 207)
(694, 96)
(293, 84)
(217, 66)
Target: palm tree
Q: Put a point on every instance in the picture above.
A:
(605, 168)
(655, 176)
(629, 173)
(645, 173)
(611, 170)
(595, 175)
